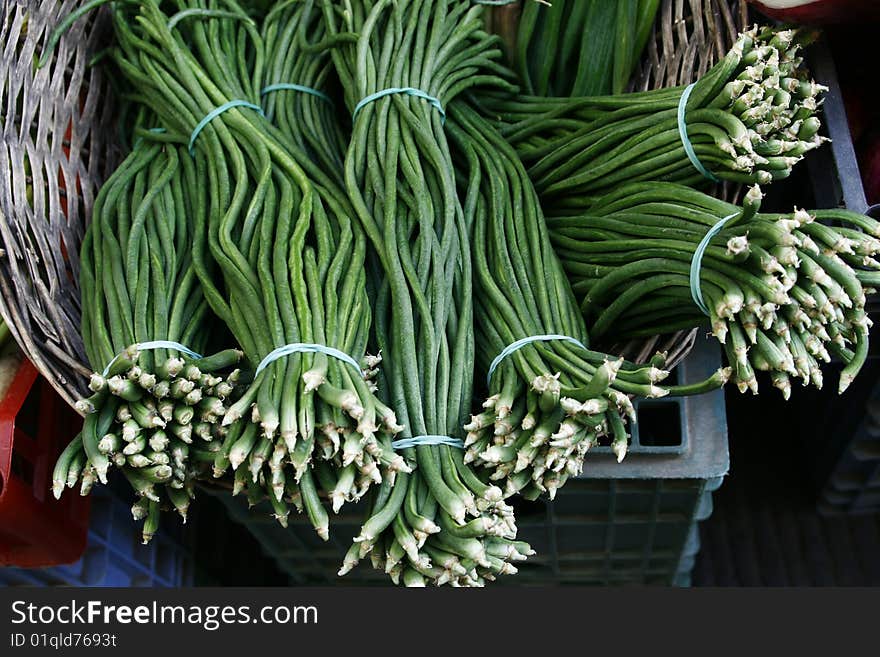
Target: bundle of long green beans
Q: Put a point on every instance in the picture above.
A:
(571, 48)
(552, 399)
(293, 283)
(418, 56)
(153, 410)
(782, 291)
(299, 74)
(750, 119)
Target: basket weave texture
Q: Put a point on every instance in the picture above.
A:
(58, 146)
(689, 37)
(61, 140)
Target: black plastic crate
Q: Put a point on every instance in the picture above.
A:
(853, 485)
(845, 443)
(628, 523)
(834, 170)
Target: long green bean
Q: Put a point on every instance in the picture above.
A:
(139, 285)
(400, 177)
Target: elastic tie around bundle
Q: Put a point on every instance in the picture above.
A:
(151, 345)
(409, 91)
(685, 140)
(217, 111)
(290, 86)
(519, 344)
(155, 131)
(697, 263)
(415, 441)
(306, 348)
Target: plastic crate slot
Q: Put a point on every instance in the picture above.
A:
(848, 481)
(659, 424)
(628, 536)
(22, 468)
(833, 496)
(660, 429)
(867, 451)
(870, 499)
(28, 418)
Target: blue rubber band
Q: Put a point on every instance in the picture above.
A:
(415, 441)
(217, 111)
(155, 131)
(519, 344)
(289, 86)
(151, 345)
(409, 91)
(306, 348)
(697, 264)
(685, 140)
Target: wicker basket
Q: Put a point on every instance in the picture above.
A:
(689, 38)
(60, 142)
(57, 148)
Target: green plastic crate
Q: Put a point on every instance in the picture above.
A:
(629, 523)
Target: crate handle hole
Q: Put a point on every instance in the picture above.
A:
(660, 424)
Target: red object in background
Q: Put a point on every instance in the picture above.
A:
(819, 12)
(870, 164)
(35, 425)
(859, 114)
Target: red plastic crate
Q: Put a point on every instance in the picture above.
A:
(35, 425)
